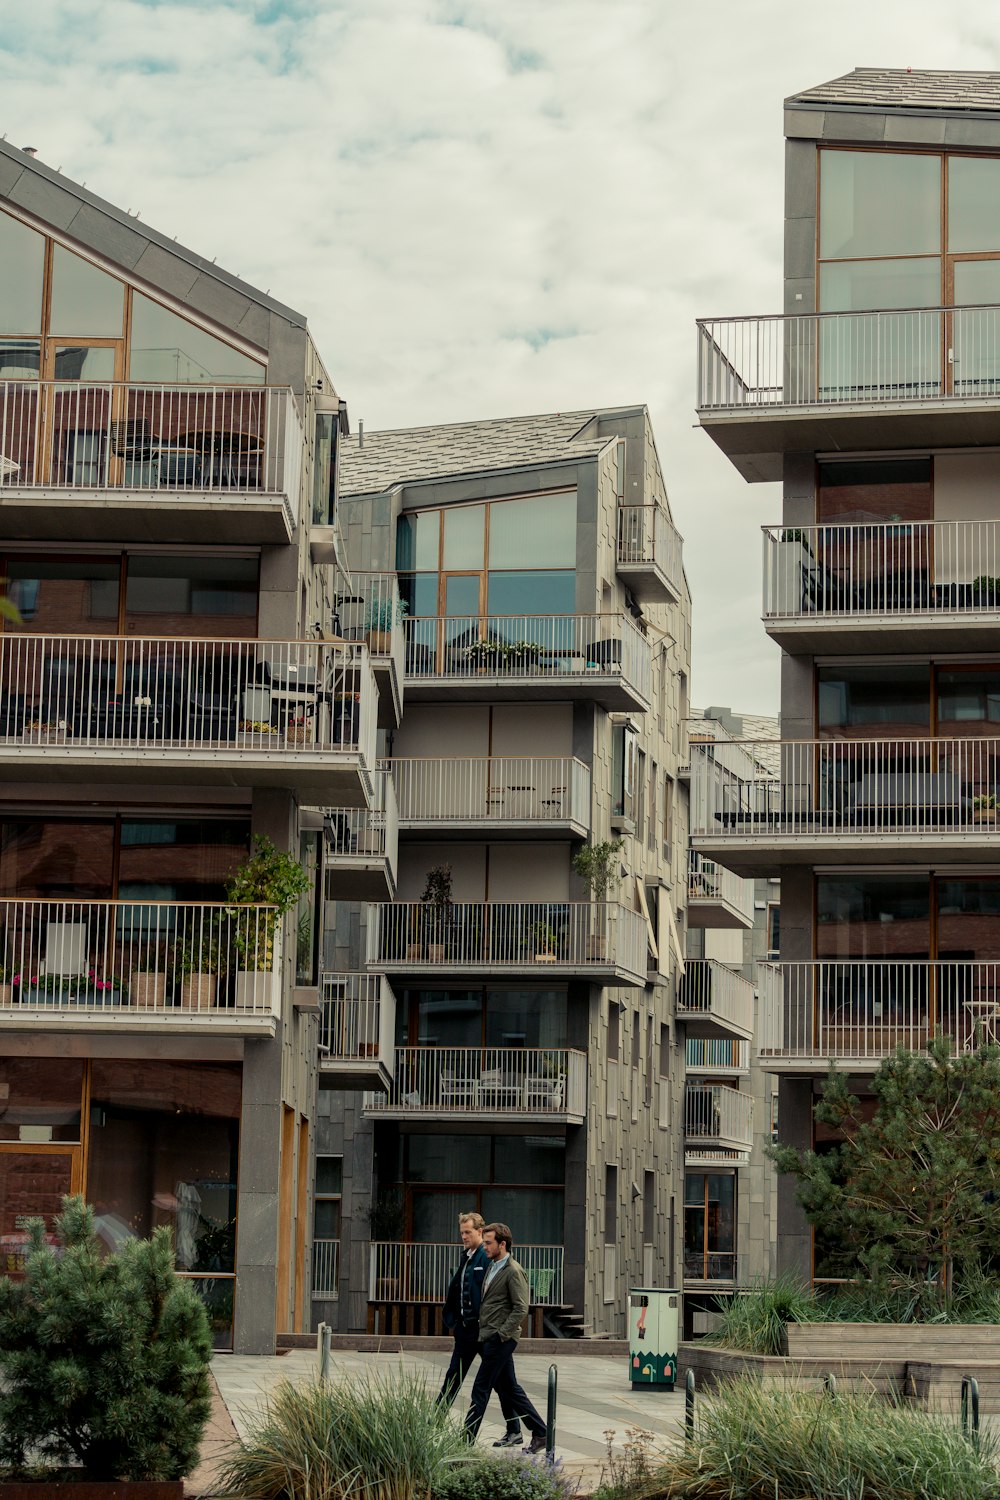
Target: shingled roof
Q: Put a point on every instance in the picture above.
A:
(906, 88)
(414, 453)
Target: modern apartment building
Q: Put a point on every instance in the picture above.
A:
(168, 443)
(873, 398)
(498, 1035)
(730, 1186)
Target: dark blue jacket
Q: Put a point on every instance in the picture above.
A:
(454, 1313)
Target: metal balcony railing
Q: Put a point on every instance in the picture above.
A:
(100, 691)
(709, 882)
(151, 958)
(858, 788)
(865, 1008)
(358, 1018)
(712, 992)
(646, 536)
(716, 1054)
(326, 1268)
(365, 832)
(719, 1115)
(188, 440)
(422, 1273)
(580, 936)
(375, 614)
(522, 647)
(486, 789)
(948, 569)
(856, 358)
(496, 1080)
(716, 1265)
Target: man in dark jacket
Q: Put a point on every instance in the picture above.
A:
(461, 1319)
(502, 1310)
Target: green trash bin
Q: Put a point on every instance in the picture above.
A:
(654, 1318)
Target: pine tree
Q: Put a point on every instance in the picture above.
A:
(915, 1191)
(103, 1358)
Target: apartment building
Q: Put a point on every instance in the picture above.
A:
(873, 400)
(168, 444)
(730, 1186)
(498, 1034)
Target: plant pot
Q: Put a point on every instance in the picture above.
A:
(414, 951)
(986, 815)
(50, 737)
(379, 642)
(257, 739)
(147, 991)
(596, 947)
(545, 958)
(299, 734)
(199, 991)
(253, 989)
(435, 953)
(6, 994)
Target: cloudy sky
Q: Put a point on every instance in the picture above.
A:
(484, 209)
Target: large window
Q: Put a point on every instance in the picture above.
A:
(483, 1018)
(858, 702)
(710, 1226)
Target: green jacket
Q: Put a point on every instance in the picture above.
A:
(505, 1303)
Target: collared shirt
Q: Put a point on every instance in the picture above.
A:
(495, 1266)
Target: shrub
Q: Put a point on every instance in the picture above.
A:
(755, 1442)
(628, 1472)
(367, 1439)
(103, 1358)
(756, 1319)
(503, 1478)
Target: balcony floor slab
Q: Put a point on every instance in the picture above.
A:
(609, 690)
(44, 515)
(649, 583)
(491, 1116)
(354, 1073)
(698, 1024)
(122, 1021)
(358, 877)
(596, 972)
(765, 855)
(715, 912)
(494, 829)
(856, 635)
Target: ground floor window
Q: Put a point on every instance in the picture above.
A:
(326, 1225)
(710, 1226)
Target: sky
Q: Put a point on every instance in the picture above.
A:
(484, 210)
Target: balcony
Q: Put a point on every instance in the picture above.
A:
(375, 614)
(716, 897)
(360, 846)
(422, 1273)
(601, 659)
(856, 1012)
(495, 797)
(495, 1084)
(596, 940)
(813, 382)
(718, 1125)
(858, 801)
(649, 554)
(357, 1027)
(296, 714)
(148, 463)
(326, 1269)
(918, 586)
(716, 1056)
(713, 1001)
(140, 967)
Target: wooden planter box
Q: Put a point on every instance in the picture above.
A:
(86, 1489)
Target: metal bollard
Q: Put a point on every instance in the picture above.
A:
(970, 1399)
(689, 1406)
(550, 1416)
(323, 1338)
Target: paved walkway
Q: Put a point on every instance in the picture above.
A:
(594, 1395)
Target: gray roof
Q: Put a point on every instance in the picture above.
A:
(413, 453)
(906, 88)
(72, 209)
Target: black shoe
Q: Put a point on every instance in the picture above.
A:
(511, 1439)
(537, 1444)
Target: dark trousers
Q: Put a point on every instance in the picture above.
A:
(463, 1354)
(496, 1373)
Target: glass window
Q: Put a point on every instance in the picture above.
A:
(879, 203)
(709, 1226)
(447, 1158)
(526, 1018)
(20, 359)
(191, 595)
(181, 860)
(40, 1098)
(546, 523)
(450, 1018)
(435, 1217)
(860, 285)
(85, 300)
(57, 860)
(329, 1175)
(535, 1159)
(417, 538)
(969, 698)
(22, 255)
(973, 204)
(531, 593)
(325, 469)
(165, 347)
(537, 1213)
(968, 925)
(862, 699)
(58, 596)
(878, 492)
(464, 527)
(873, 916)
(83, 362)
(420, 590)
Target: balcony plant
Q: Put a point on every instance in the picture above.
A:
(599, 865)
(197, 959)
(523, 656)
(147, 985)
(380, 617)
(487, 656)
(984, 808)
(544, 942)
(436, 901)
(986, 590)
(265, 887)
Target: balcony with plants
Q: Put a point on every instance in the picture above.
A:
(297, 714)
(357, 1028)
(533, 1086)
(360, 846)
(507, 796)
(108, 461)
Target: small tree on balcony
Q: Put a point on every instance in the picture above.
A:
(914, 1191)
(598, 865)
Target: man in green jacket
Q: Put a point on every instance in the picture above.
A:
(502, 1310)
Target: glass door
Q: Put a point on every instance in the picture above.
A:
(33, 1182)
(81, 412)
(974, 350)
(462, 610)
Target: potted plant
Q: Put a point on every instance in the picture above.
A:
(6, 987)
(197, 959)
(598, 865)
(544, 942)
(523, 655)
(437, 915)
(263, 889)
(53, 732)
(381, 615)
(147, 984)
(486, 656)
(986, 590)
(984, 808)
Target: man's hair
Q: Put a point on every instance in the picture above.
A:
(501, 1232)
(476, 1220)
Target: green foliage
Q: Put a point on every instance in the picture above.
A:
(103, 1358)
(271, 878)
(502, 1478)
(436, 897)
(915, 1192)
(756, 1319)
(755, 1442)
(363, 1439)
(628, 1472)
(199, 953)
(597, 865)
(381, 614)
